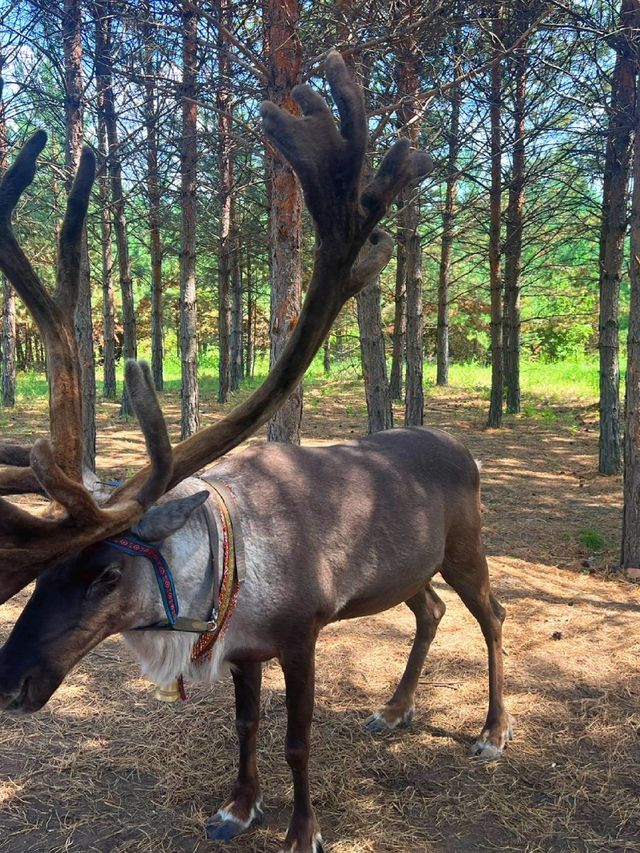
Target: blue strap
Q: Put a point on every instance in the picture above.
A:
(135, 547)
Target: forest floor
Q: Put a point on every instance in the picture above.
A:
(104, 767)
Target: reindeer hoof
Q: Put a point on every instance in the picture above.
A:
(386, 720)
(297, 847)
(490, 746)
(224, 825)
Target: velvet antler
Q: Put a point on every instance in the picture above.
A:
(349, 252)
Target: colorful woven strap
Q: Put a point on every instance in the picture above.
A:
(135, 547)
(228, 587)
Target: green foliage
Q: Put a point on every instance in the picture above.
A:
(593, 541)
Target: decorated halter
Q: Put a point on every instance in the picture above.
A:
(135, 547)
(225, 594)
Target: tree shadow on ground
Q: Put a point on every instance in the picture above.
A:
(107, 769)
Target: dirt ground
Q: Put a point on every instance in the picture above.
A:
(104, 767)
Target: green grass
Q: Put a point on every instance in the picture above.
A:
(592, 540)
(544, 385)
(571, 381)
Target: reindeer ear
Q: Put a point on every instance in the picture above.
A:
(163, 520)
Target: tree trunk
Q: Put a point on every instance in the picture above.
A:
(8, 344)
(630, 552)
(153, 193)
(513, 243)
(409, 83)
(72, 44)
(227, 242)
(284, 58)
(235, 348)
(414, 397)
(104, 85)
(612, 235)
(448, 223)
(8, 347)
(326, 355)
(249, 338)
(108, 304)
(495, 405)
(190, 417)
(400, 313)
(372, 351)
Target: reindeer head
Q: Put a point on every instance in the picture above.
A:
(88, 597)
(82, 593)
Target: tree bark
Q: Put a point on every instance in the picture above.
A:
(399, 314)
(105, 88)
(414, 397)
(513, 243)
(150, 110)
(72, 47)
(235, 348)
(409, 81)
(630, 552)
(226, 244)
(108, 302)
(284, 58)
(372, 352)
(612, 235)
(495, 193)
(326, 355)
(8, 345)
(249, 338)
(448, 224)
(190, 417)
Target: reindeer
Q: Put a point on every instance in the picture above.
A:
(327, 533)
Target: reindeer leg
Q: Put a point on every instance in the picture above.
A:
(298, 666)
(398, 711)
(243, 808)
(471, 581)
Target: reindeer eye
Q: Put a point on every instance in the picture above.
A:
(106, 582)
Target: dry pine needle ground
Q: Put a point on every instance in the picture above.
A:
(106, 768)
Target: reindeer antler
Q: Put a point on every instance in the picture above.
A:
(52, 313)
(54, 467)
(349, 252)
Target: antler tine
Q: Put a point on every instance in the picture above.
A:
(15, 454)
(16, 476)
(72, 495)
(373, 258)
(13, 261)
(400, 167)
(18, 481)
(72, 228)
(29, 544)
(152, 423)
(20, 174)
